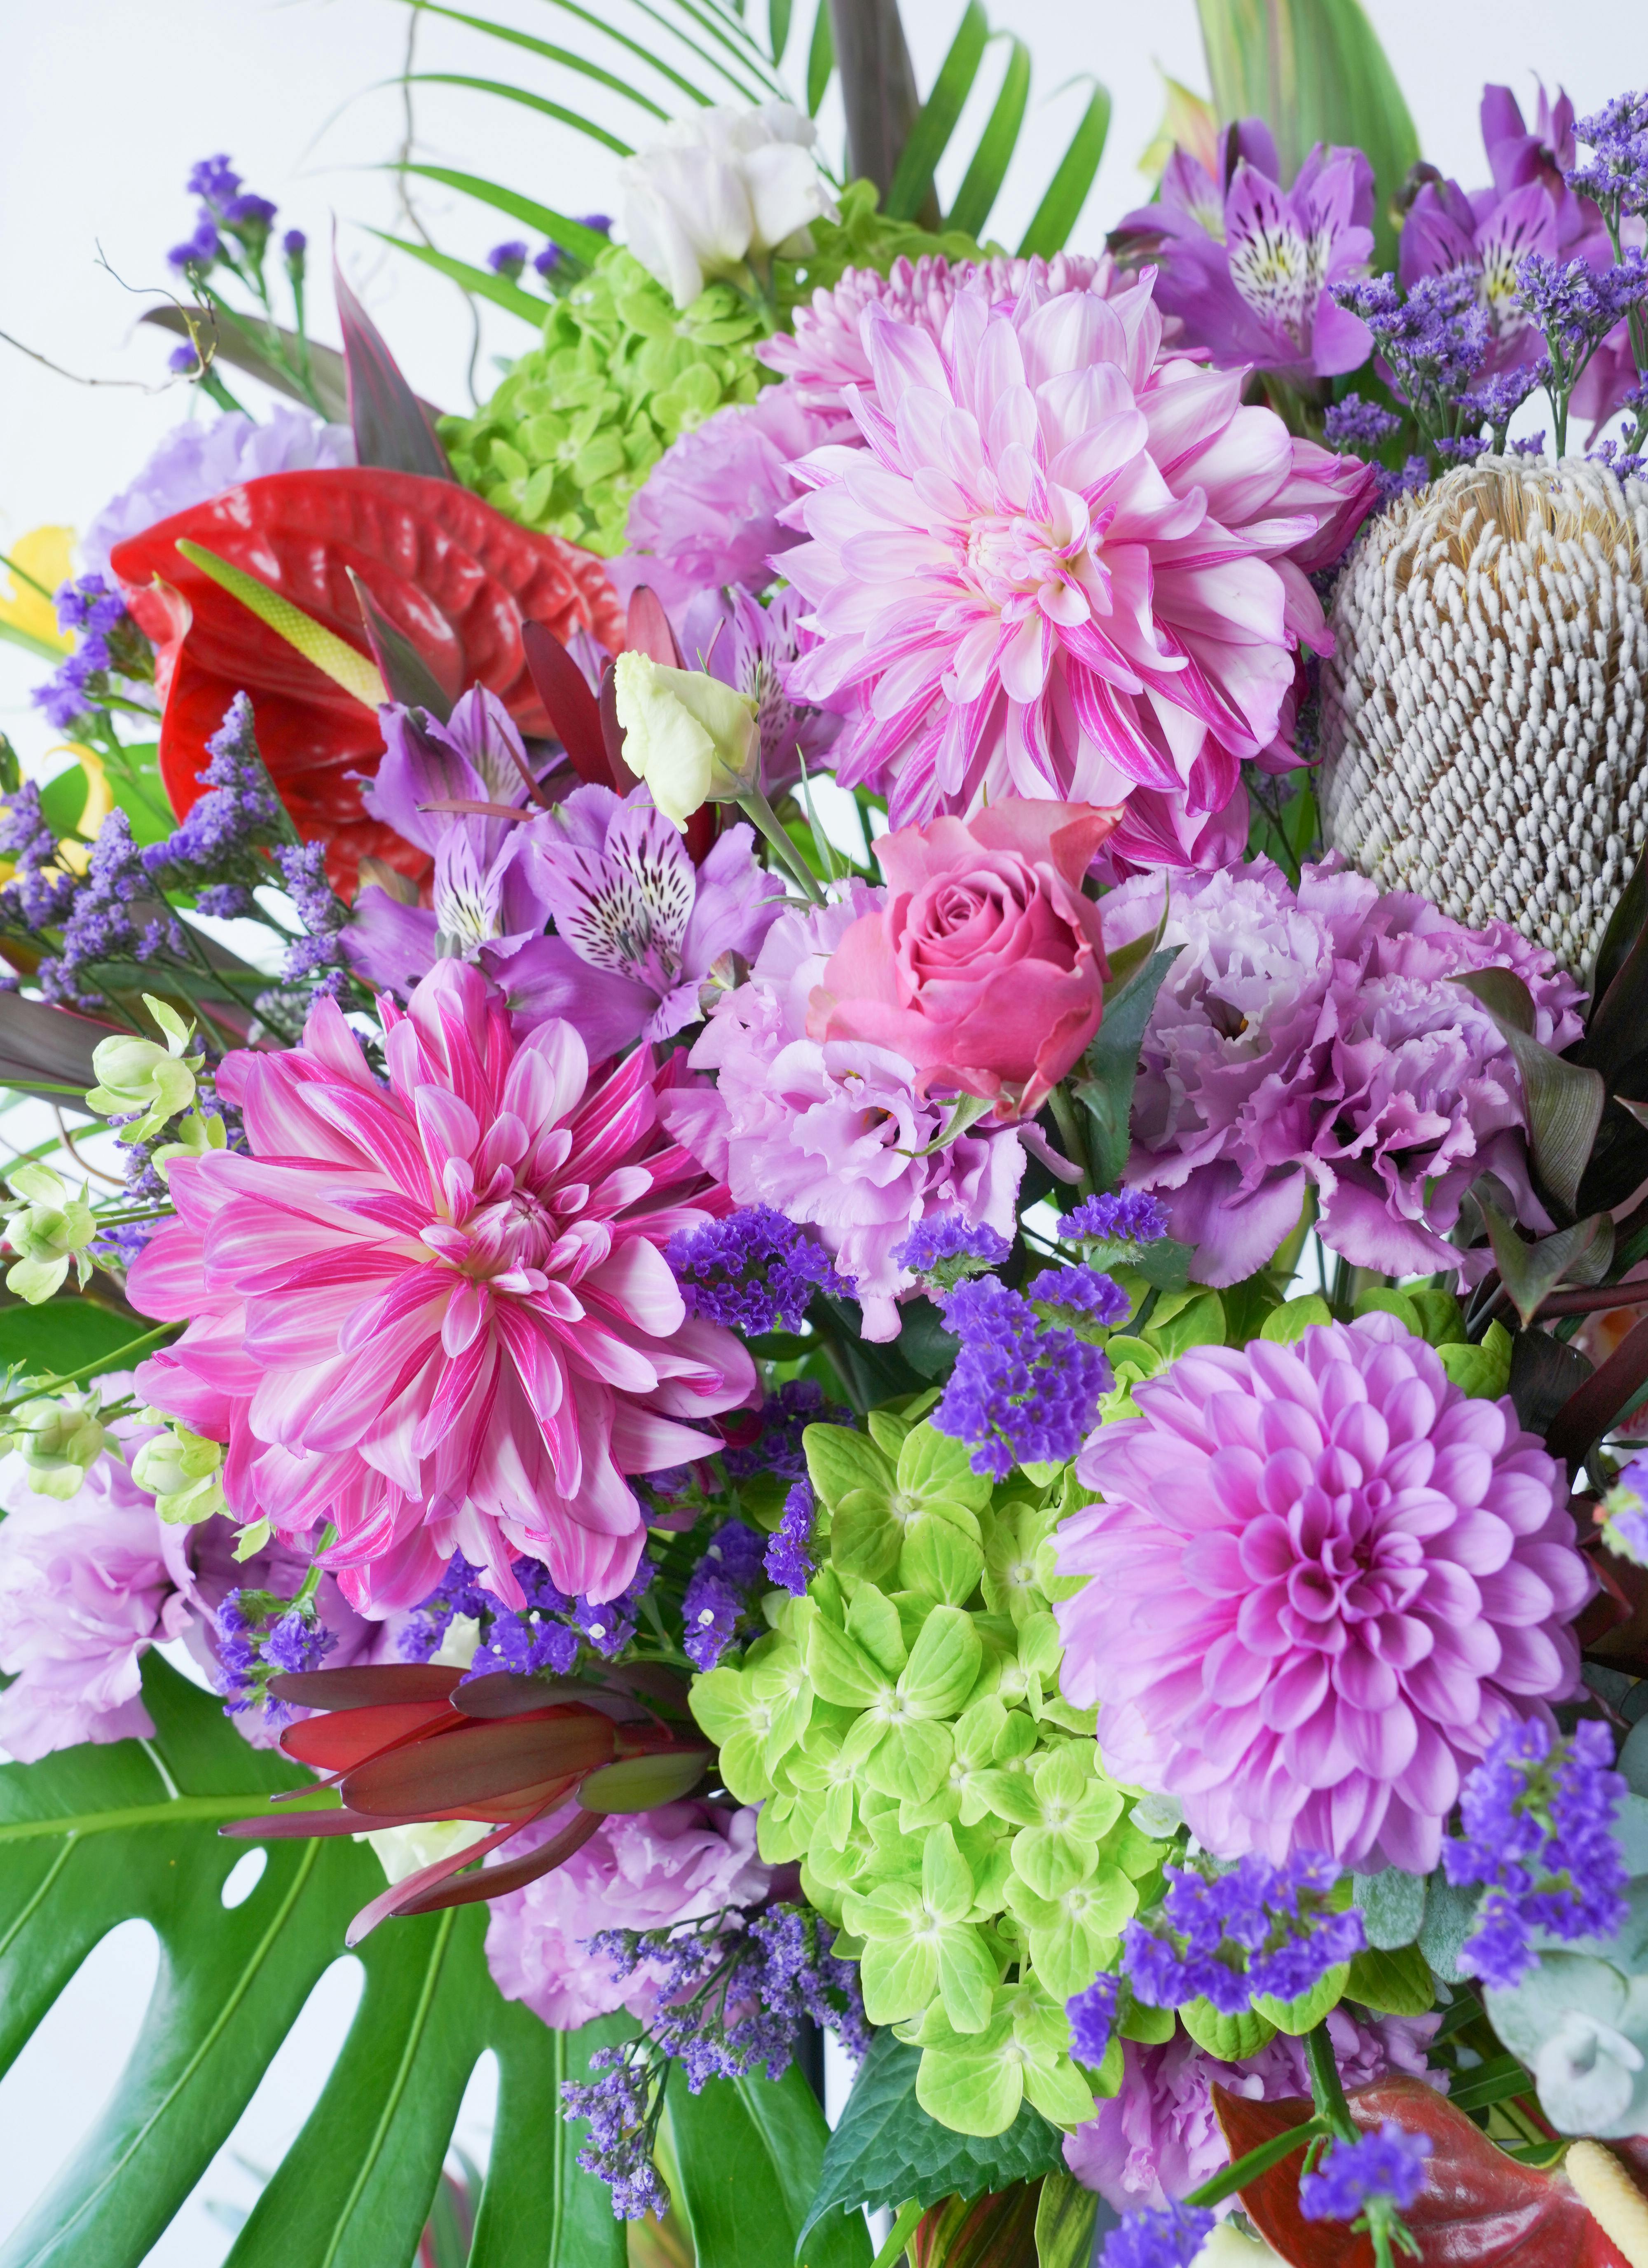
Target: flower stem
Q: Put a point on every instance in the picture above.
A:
(103, 1361)
(1256, 2163)
(1070, 1133)
(903, 2229)
(1332, 2110)
(755, 806)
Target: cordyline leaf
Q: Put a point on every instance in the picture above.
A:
(238, 347)
(1478, 2209)
(1065, 2217)
(1603, 1398)
(508, 1874)
(573, 711)
(1625, 926)
(1565, 1099)
(1579, 1254)
(44, 1048)
(997, 2230)
(407, 678)
(391, 431)
(448, 572)
(1313, 70)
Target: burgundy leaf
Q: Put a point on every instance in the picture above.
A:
(335, 1743)
(506, 1693)
(1478, 2209)
(407, 678)
(573, 711)
(481, 1761)
(1587, 1414)
(401, 1894)
(291, 1826)
(513, 1875)
(649, 631)
(366, 1686)
(391, 431)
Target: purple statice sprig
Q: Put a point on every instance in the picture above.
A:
(1537, 1818)
(789, 1560)
(1259, 1930)
(317, 959)
(261, 1635)
(1093, 2015)
(1432, 340)
(1358, 426)
(1170, 2237)
(1625, 1513)
(1368, 2182)
(112, 659)
(222, 839)
(734, 1991)
(547, 1633)
(945, 1251)
(1084, 1301)
(1019, 1394)
(1575, 306)
(752, 1271)
(1615, 174)
(1122, 1221)
(40, 890)
(775, 1445)
(115, 916)
(721, 1592)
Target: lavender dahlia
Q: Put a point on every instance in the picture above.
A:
(1326, 1579)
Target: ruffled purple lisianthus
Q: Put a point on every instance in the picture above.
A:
(202, 458)
(1312, 1038)
(834, 1133)
(1157, 2138)
(707, 512)
(1325, 1580)
(646, 1871)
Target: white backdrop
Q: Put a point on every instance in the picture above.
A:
(104, 106)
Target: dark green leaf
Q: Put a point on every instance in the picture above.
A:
(1313, 70)
(1625, 926)
(749, 2154)
(1066, 2213)
(1504, 994)
(923, 1341)
(981, 184)
(777, 28)
(935, 121)
(1545, 1373)
(1111, 1064)
(1486, 2083)
(584, 243)
(887, 2150)
(63, 799)
(240, 348)
(1579, 1254)
(480, 281)
(64, 1334)
(543, 104)
(1060, 209)
(1166, 1264)
(1396, 1982)
(1565, 1099)
(93, 1837)
(45, 1047)
(820, 59)
(135, 786)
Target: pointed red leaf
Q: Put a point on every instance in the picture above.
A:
(649, 631)
(403, 1892)
(407, 678)
(504, 1693)
(292, 1826)
(451, 575)
(346, 1738)
(513, 1875)
(368, 1685)
(1478, 2209)
(481, 1761)
(390, 428)
(573, 709)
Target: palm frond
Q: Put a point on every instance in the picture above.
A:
(1060, 209)
(981, 184)
(538, 102)
(480, 281)
(536, 47)
(938, 116)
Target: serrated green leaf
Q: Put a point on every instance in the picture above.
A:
(1060, 209)
(887, 2149)
(1316, 72)
(1110, 1067)
(935, 121)
(1396, 1982)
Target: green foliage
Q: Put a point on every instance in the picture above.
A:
(902, 1728)
(576, 425)
(92, 1836)
(1394, 1983)
(66, 1336)
(1314, 70)
(887, 2149)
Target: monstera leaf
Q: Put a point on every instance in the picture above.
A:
(93, 1837)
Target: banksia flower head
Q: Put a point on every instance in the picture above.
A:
(1485, 734)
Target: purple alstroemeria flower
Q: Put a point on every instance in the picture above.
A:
(483, 890)
(1529, 208)
(639, 929)
(1248, 266)
(751, 647)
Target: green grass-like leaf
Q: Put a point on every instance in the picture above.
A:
(536, 47)
(1060, 209)
(779, 13)
(820, 59)
(584, 243)
(539, 102)
(481, 281)
(981, 185)
(937, 119)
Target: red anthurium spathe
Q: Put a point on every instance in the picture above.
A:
(456, 577)
(1478, 2209)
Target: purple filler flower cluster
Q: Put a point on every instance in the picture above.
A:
(225, 206)
(110, 644)
(259, 1635)
(1388, 2164)
(789, 1561)
(1077, 1297)
(217, 848)
(1615, 174)
(1259, 1930)
(718, 1592)
(1121, 1217)
(1171, 2238)
(1538, 1818)
(735, 1992)
(945, 1250)
(114, 916)
(776, 1446)
(752, 1271)
(39, 892)
(1091, 2017)
(544, 1634)
(1019, 1395)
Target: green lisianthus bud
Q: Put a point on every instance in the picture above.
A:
(693, 739)
(139, 1076)
(61, 1437)
(182, 1471)
(196, 1136)
(48, 1230)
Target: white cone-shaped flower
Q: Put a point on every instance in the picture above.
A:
(1484, 727)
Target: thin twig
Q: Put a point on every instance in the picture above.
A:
(129, 384)
(114, 1180)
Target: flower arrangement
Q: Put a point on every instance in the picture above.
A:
(898, 1303)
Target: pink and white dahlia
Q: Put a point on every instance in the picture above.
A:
(1323, 1579)
(825, 352)
(1063, 566)
(676, 1863)
(437, 1313)
(836, 1132)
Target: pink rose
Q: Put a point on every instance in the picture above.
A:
(984, 967)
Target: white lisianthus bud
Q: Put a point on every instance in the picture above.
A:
(48, 1230)
(721, 190)
(138, 1076)
(693, 739)
(196, 1135)
(61, 1438)
(182, 1471)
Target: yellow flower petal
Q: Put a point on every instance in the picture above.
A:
(42, 557)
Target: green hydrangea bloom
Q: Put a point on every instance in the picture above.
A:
(902, 1728)
(579, 423)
